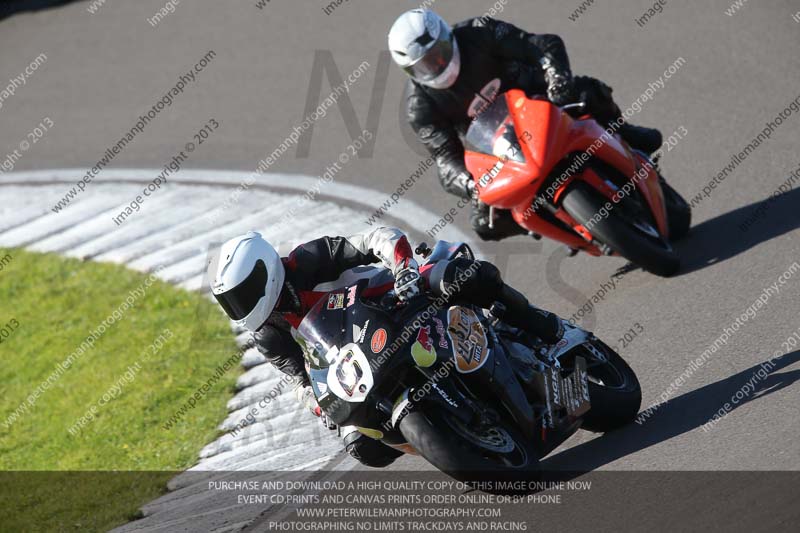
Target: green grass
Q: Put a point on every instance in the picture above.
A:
(57, 302)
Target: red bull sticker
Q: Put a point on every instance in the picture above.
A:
(422, 350)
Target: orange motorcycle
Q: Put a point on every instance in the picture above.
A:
(563, 176)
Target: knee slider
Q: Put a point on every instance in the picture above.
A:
(371, 452)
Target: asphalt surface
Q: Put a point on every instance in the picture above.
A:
(104, 70)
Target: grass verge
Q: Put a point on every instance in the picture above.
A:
(101, 408)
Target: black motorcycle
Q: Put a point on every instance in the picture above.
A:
(478, 399)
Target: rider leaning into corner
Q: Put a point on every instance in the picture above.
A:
(456, 72)
(270, 295)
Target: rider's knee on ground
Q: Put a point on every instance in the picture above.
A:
(370, 452)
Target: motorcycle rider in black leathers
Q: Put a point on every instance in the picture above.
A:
(456, 72)
(270, 295)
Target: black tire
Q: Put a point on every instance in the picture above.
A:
(679, 212)
(431, 433)
(583, 203)
(616, 403)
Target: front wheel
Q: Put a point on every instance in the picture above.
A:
(679, 212)
(614, 392)
(497, 453)
(635, 240)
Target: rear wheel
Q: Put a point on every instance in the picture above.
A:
(496, 453)
(635, 239)
(614, 392)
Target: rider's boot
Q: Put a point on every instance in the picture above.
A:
(366, 450)
(500, 227)
(648, 140)
(519, 313)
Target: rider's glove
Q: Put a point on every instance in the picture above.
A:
(472, 191)
(465, 183)
(407, 283)
(560, 90)
(305, 395)
(592, 101)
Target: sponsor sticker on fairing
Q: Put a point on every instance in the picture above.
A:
(378, 340)
(442, 333)
(422, 350)
(359, 332)
(336, 301)
(470, 347)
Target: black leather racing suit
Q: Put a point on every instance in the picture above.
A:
(495, 57)
(308, 269)
(312, 270)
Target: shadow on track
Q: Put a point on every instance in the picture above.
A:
(10, 7)
(675, 417)
(720, 238)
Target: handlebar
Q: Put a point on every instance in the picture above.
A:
(577, 105)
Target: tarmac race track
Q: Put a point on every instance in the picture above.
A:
(713, 79)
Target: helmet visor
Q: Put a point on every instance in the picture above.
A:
(436, 59)
(242, 299)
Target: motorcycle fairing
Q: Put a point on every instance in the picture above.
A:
(445, 251)
(547, 136)
(331, 336)
(343, 368)
(504, 188)
(339, 361)
(349, 375)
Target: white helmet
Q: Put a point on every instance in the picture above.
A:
(246, 279)
(422, 43)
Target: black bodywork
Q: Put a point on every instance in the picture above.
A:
(405, 374)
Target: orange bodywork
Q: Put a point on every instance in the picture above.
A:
(547, 135)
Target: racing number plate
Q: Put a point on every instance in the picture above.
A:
(571, 392)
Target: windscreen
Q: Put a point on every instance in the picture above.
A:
(492, 132)
(320, 330)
